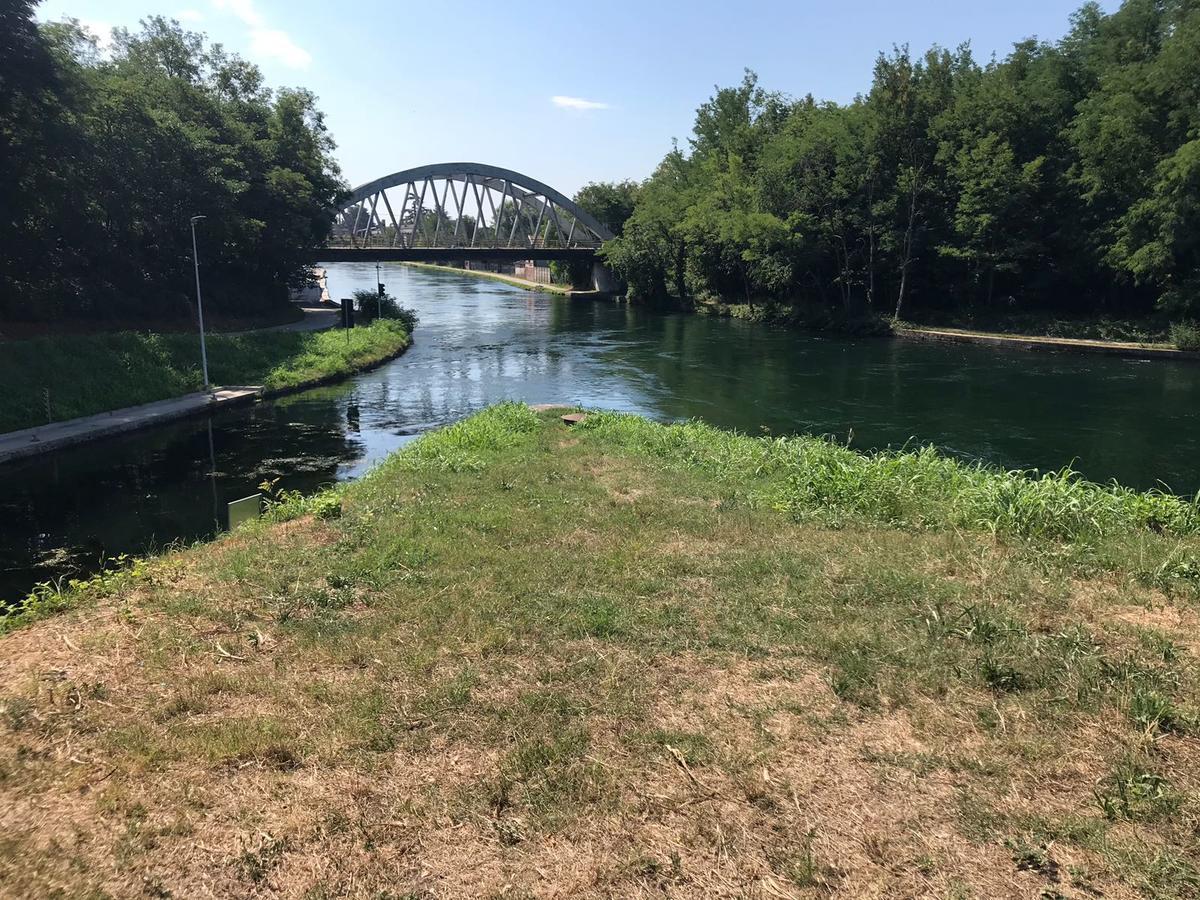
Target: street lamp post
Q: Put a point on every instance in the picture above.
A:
(200, 305)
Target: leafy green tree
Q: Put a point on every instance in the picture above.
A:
(994, 195)
(611, 202)
(651, 253)
(907, 101)
(1158, 239)
(1134, 135)
(1064, 175)
(114, 155)
(38, 96)
(818, 177)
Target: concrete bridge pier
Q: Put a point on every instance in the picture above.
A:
(604, 279)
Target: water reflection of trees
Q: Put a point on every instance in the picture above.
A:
(136, 493)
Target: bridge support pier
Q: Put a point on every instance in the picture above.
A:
(604, 280)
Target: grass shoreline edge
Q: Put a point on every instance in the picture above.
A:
(839, 487)
(26, 442)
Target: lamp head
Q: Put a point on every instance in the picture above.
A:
(196, 219)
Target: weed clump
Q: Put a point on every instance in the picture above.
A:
(1186, 335)
(1134, 792)
(462, 447)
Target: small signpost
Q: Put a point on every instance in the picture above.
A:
(245, 510)
(380, 286)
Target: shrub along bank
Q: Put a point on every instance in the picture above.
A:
(626, 658)
(79, 375)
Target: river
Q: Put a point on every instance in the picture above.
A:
(481, 341)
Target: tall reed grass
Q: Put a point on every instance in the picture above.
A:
(816, 478)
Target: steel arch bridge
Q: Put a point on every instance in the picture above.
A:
(461, 211)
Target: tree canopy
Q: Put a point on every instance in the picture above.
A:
(1064, 177)
(106, 157)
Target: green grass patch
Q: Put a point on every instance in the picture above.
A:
(817, 479)
(514, 637)
(79, 375)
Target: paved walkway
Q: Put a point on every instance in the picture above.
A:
(316, 318)
(31, 441)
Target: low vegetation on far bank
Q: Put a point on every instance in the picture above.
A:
(627, 659)
(1186, 335)
(1151, 332)
(801, 317)
(59, 378)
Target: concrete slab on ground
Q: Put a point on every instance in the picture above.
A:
(546, 407)
(31, 441)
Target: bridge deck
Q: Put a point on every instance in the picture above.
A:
(451, 254)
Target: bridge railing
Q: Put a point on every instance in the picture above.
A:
(378, 241)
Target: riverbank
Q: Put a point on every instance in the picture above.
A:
(65, 378)
(814, 319)
(821, 320)
(511, 279)
(625, 658)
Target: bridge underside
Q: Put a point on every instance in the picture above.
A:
(453, 254)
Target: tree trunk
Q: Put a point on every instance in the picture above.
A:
(871, 269)
(908, 244)
(844, 264)
(871, 245)
(680, 287)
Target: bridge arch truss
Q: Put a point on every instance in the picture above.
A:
(463, 205)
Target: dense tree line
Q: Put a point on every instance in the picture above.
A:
(1063, 177)
(105, 157)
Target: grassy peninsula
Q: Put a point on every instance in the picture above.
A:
(625, 659)
(86, 374)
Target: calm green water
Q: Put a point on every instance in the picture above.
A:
(481, 341)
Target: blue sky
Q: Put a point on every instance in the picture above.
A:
(567, 92)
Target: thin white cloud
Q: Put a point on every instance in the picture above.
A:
(265, 42)
(189, 15)
(274, 44)
(243, 9)
(576, 103)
